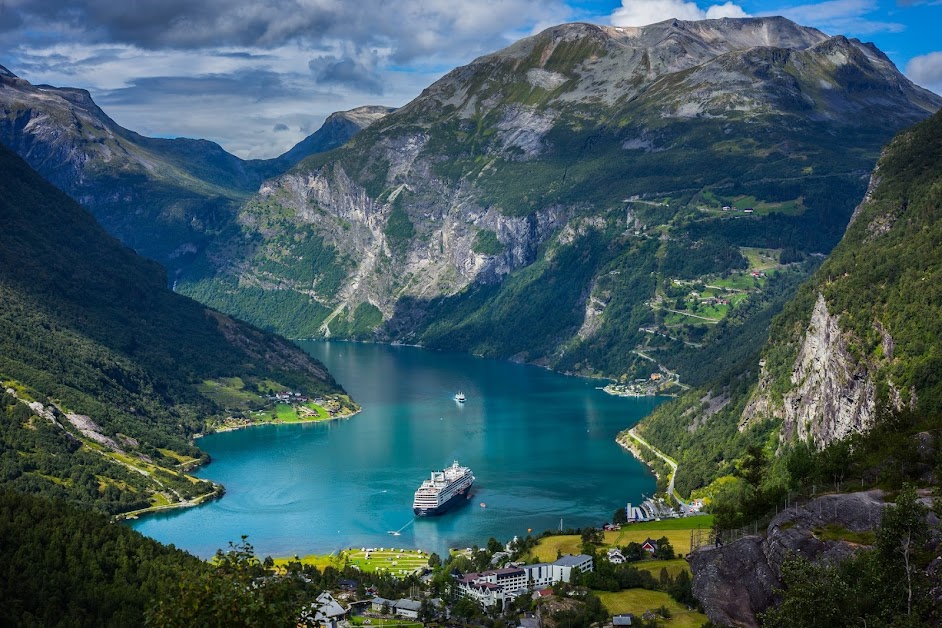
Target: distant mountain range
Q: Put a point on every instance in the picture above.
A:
(166, 198)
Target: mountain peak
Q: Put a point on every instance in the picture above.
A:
(362, 116)
(6, 73)
(338, 128)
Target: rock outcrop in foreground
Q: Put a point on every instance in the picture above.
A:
(737, 582)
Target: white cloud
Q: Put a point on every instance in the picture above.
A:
(175, 67)
(644, 12)
(926, 70)
(230, 96)
(840, 17)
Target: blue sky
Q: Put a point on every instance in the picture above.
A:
(259, 75)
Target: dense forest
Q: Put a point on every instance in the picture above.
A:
(883, 277)
(88, 329)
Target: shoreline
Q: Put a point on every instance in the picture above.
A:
(217, 493)
(630, 441)
(629, 444)
(219, 490)
(235, 428)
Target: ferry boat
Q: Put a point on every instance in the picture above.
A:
(459, 397)
(443, 491)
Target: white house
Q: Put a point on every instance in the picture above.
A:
(326, 610)
(497, 586)
(615, 556)
(407, 608)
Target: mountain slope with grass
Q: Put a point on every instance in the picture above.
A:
(856, 350)
(165, 198)
(103, 368)
(604, 201)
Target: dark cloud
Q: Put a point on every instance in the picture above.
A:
(249, 84)
(280, 127)
(405, 28)
(356, 71)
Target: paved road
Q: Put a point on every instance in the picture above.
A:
(670, 463)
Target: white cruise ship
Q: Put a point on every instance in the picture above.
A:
(445, 489)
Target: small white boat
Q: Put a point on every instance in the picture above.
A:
(459, 397)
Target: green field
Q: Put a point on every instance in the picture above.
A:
(761, 259)
(397, 562)
(677, 532)
(686, 523)
(230, 393)
(638, 601)
(315, 560)
(673, 567)
(736, 281)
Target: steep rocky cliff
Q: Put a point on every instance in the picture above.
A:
(856, 355)
(859, 341)
(573, 172)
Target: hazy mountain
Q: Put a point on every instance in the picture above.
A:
(543, 202)
(163, 197)
(103, 368)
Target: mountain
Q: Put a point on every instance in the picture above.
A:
(338, 129)
(561, 201)
(165, 198)
(106, 374)
(857, 349)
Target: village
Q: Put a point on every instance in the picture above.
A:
(519, 582)
(659, 383)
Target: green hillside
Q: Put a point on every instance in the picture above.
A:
(597, 201)
(882, 284)
(102, 365)
(64, 566)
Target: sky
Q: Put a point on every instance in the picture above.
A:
(257, 76)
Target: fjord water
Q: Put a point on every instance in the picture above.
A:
(541, 446)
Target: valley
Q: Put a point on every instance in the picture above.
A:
(713, 243)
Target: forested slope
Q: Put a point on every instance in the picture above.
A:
(102, 362)
(857, 350)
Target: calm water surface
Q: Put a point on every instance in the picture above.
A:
(540, 444)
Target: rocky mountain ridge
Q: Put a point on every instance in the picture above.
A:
(581, 141)
(166, 198)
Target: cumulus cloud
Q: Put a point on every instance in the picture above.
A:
(644, 12)
(926, 70)
(408, 27)
(278, 128)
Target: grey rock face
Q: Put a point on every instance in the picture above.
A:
(737, 582)
(833, 392)
(733, 581)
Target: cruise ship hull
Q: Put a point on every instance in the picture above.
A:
(456, 500)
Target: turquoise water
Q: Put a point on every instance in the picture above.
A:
(540, 444)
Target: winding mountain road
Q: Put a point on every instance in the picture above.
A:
(673, 465)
